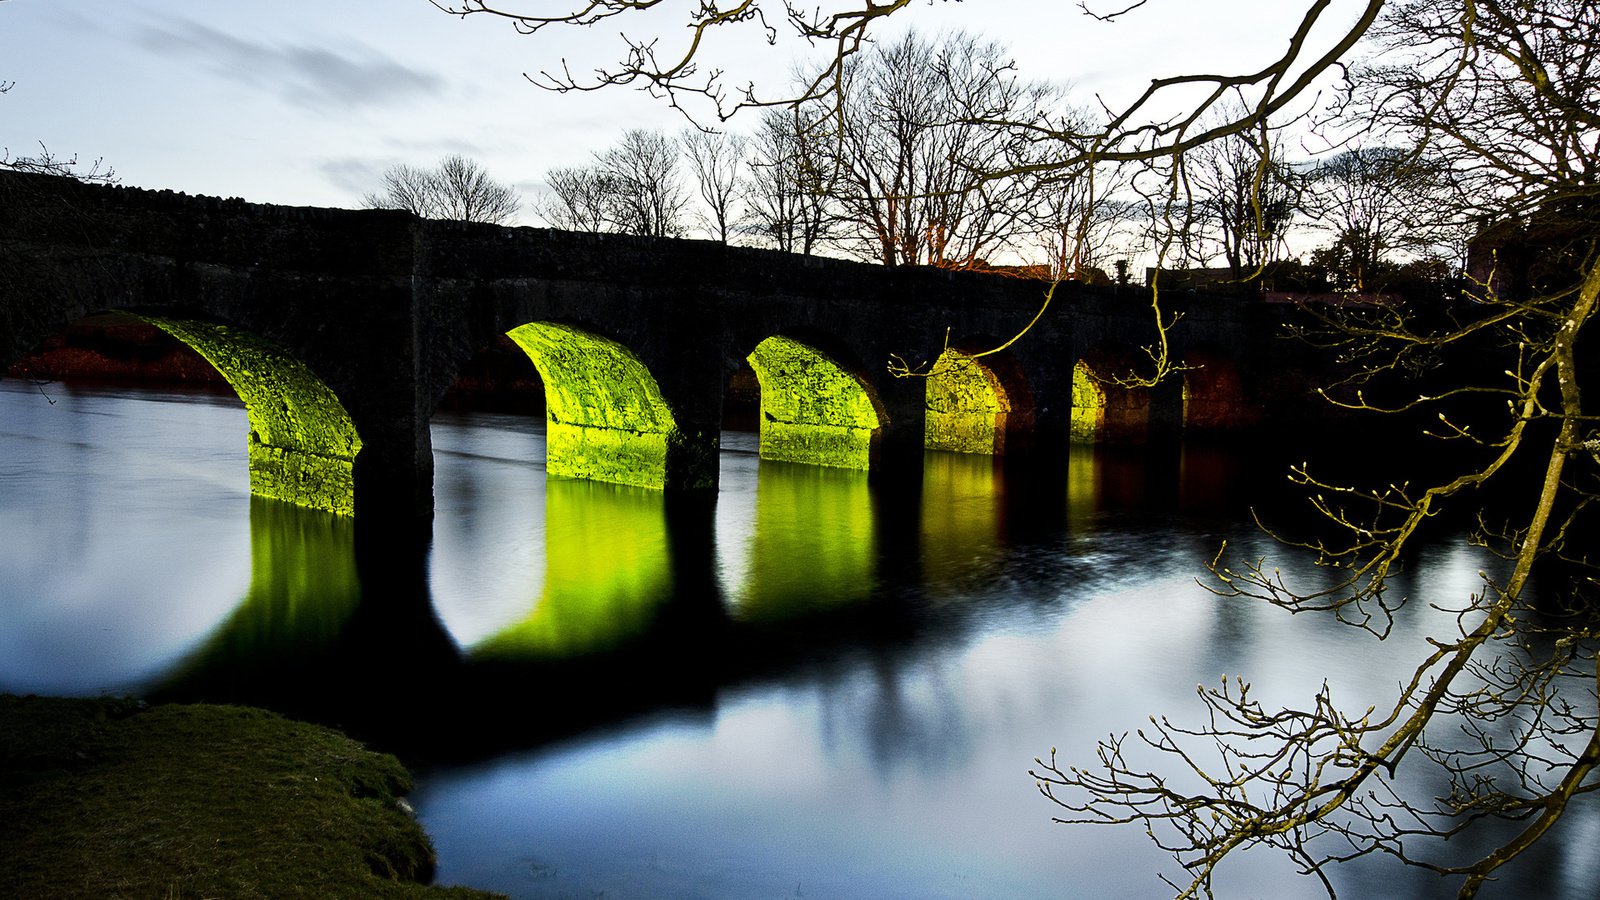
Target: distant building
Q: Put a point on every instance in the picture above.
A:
(1192, 279)
(1041, 272)
(1518, 259)
(1294, 285)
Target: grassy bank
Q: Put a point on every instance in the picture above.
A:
(106, 798)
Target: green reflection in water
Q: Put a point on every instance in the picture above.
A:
(812, 411)
(1103, 478)
(303, 591)
(960, 516)
(302, 443)
(607, 570)
(606, 418)
(813, 543)
(967, 406)
(1084, 474)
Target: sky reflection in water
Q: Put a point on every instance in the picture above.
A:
(884, 750)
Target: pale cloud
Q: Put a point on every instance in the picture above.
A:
(355, 176)
(438, 146)
(312, 76)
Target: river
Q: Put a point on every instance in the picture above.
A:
(815, 686)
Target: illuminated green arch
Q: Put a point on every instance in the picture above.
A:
(1105, 405)
(967, 406)
(302, 442)
(1088, 404)
(813, 411)
(606, 418)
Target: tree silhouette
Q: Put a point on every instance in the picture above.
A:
(457, 189)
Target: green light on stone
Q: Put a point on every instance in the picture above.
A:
(967, 406)
(1088, 405)
(813, 545)
(302, 443)
(607, 570)
(606, 418)
(812, 411)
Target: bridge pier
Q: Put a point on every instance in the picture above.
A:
(693, 383)
(394, 476)
(1164, 423)
(903, 435)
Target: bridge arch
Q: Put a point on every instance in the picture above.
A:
(302, 442)
(1213, 390)
(498, 378)
(606, 419)
(977, 403)
(815, 408)
(1104, 409)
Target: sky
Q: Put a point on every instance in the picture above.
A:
(306, 102)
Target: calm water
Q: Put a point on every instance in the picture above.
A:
(814, 687)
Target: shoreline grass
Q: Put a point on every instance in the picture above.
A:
(112, 798)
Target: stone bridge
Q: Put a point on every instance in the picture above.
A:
(342, 329)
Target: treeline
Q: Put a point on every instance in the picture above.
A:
(938, 152)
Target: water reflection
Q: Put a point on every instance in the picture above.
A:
(607, 570)
(304, 589)
(962, 497)
(124, 532)
(1207, 476)
(812, 545)
(1107, 478)
(838, 732)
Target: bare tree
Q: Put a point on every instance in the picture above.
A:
(1245, 197)
(836, 31)
(457, 189)
(1078, 221)
(1377, 202)
(469, 195)
(916, 157)
(404, 187)
(581, 199)
(633, 187)
(785, 191)
(646, 196)
(717, 161)
(1503, 708)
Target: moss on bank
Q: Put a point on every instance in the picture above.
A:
(108, 798)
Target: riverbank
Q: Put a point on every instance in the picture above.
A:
(112, 798)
